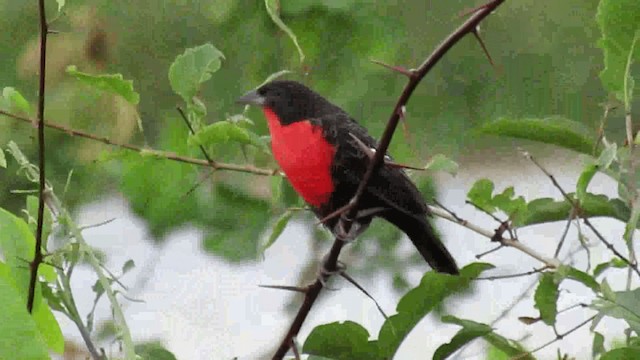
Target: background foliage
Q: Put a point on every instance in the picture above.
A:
(547, 86)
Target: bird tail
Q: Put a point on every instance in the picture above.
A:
(425, 240)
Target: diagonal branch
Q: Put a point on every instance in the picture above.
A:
(331, 261)
(37, 256)
(163, 154)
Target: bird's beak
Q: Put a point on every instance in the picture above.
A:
(251, 98)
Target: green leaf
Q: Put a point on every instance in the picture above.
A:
(556, 131)
(546, 298)
(583, 181)
(48, 327)
(619, 22)
(627, 353)
(3, 159)
(347, 340)
(16, 101)
(597, 347)
(615, 263)
(442, 163)
(153, 351)
(273, 11)
(278, 228)
(60, 4)
(577, 275)
(621, 305)
(481, 194)
(127, 266)
(192, 68)
(493, 353)
(470, 331)
(548, 210)
(418, 302)
(20, 336)
(221, 132)
(505, 346)
(112, 83)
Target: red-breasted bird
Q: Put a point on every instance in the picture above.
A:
(319, 147)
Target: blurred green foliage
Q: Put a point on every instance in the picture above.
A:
(546, 61)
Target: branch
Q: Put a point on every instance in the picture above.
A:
(37, 256)
(330, 263)
(549, 262)
(163, 154)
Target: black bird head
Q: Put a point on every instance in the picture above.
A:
(290, 101)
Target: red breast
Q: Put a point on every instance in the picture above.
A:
(304, 156)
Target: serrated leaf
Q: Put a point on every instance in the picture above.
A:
(597, 347)
(273, 11)
(112, 83)
(278, 229)
(442, 163)
(3, 159)
(347, 340)
(16, 100)
(558, 131)
(418, 302)
(619, 22)
(192, 68)
(481, 194)
(546, 298)
(469, 332)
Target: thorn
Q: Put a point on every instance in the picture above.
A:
(284, 287)
(399, 69)
(476, 33)
(473, 10)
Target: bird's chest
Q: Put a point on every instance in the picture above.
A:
(304, 156)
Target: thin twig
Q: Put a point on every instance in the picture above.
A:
(37, 256)
(565, 232)
(550, 262)
(559, 336)
(331, 261)
(162, 154)
(365, 292)
(511, 276)
(584, 218)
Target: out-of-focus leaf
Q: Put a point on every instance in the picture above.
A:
(341, 341)
(597, 347)
(153, 351)
(626, 353)
(583, 181)
(112, 83)
(278, 229)
(619, 22)
(221, 132)
(558, 131)
(615, 263)
(20, 336)
(442, 163)
(192, 68)
(621, 305)
(16, 101)
(273, 11)
(3, 159)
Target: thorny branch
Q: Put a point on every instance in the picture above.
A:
(37, 257)
(330, 263)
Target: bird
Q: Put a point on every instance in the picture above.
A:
(324, 153)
